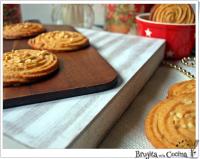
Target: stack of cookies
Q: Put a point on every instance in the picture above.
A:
(25, 66)
(171, 122)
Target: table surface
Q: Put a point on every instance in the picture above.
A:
(128, 131)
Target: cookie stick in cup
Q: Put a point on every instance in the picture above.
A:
(173, 13)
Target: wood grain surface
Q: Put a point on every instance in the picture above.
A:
(80, 72)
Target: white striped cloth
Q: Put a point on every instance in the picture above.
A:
(56, 123)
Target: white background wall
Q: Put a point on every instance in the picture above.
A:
(42, 12)
(35, 11)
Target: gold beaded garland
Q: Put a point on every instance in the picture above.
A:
(188, 61)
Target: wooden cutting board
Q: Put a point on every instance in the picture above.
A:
(80, 72)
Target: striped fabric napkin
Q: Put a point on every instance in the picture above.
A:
(56, 124)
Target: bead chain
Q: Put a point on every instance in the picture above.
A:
(186, 61)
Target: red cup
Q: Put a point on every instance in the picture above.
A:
(180, 38)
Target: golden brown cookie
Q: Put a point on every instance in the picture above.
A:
(22, 30)
(173, 13)
(26, 66)
(58, 41)
(171, 123)
(184, 87)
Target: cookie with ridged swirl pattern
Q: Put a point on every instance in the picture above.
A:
(184, 87)
(22, 30)
(171, 123)
(59, 41)
(173, 13)
(27, 66)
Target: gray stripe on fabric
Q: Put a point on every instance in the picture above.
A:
(27, 119)
(61, 128)
(122, 47)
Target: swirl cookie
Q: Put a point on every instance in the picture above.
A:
(22, 30)
(26, 66)
(171, 123)
(182, 88)
(58, 41)
(173, 13)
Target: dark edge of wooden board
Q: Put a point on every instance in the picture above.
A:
(10, 103)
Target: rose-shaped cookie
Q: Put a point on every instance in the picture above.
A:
(173, 13)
